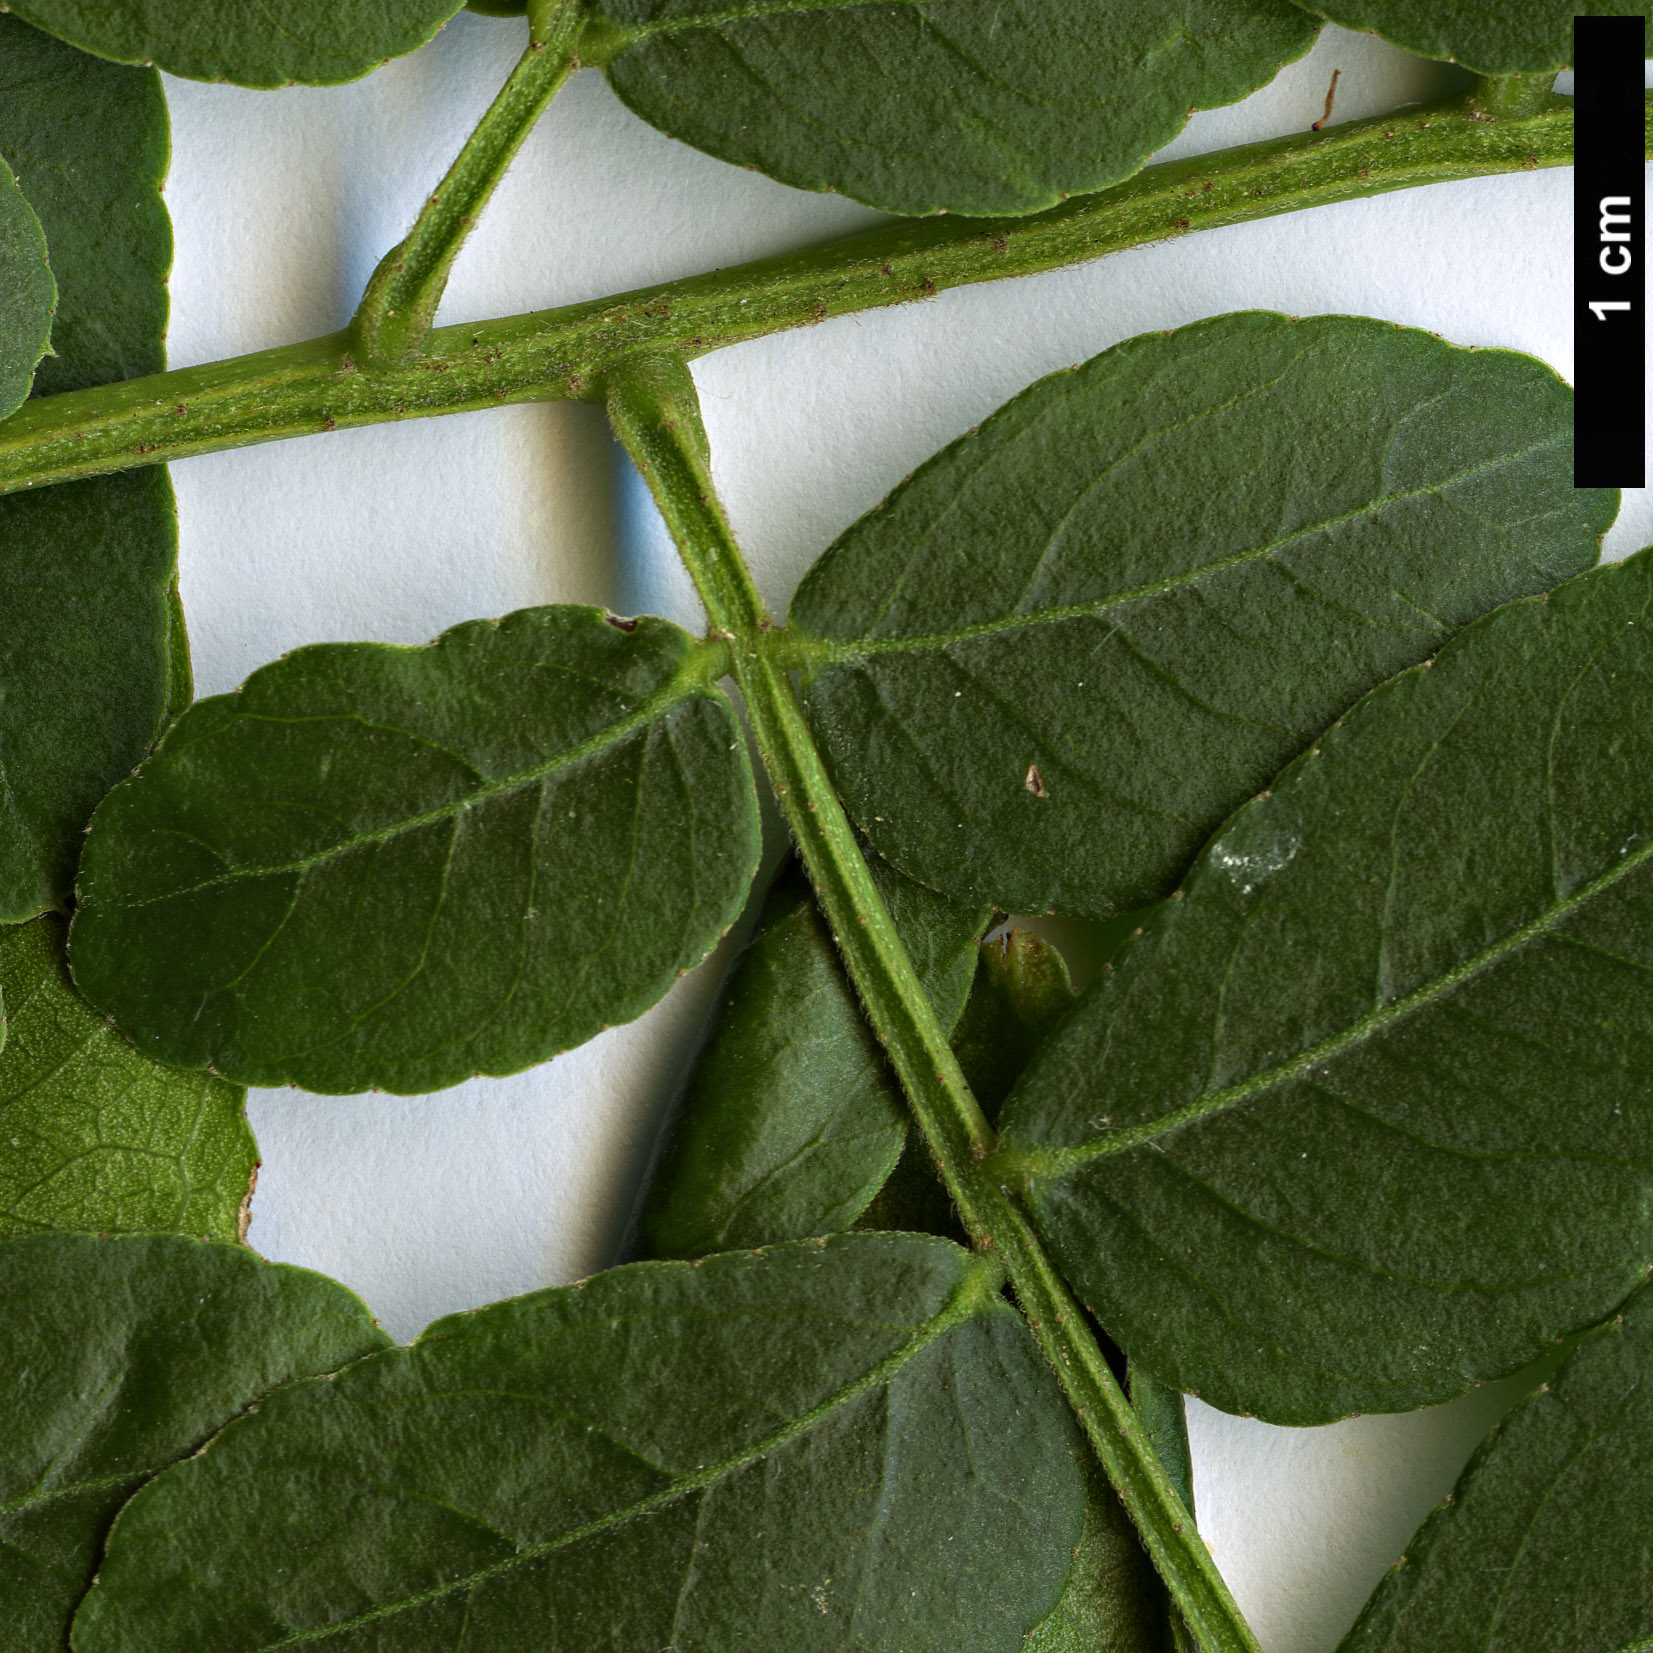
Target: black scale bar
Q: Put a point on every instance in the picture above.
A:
(1609, 258)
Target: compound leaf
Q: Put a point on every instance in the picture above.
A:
(1051, 662)
(1544, 1541)
(1367, 1116)
(90, 654)
(120, 1357)
(1512, 38)
(27, 293)
(806, 1448)
(922, 106)
(95, 1135)
(278, 42)
(399, 867)
(792, 1120)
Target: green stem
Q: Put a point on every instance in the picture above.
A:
(321, 386)
(393, 322)
(657, 416)
(1506, 97)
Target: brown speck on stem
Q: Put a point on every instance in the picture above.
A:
(621, 622)
(1034, 781)
(1331, 92)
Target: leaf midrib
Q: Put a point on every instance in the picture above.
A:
(1059, 1162)
(684, 685)
(823, 653)
(974, 1294)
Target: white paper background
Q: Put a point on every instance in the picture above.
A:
(283, 202)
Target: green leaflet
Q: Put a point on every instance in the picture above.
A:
(120, 1357)
(1112, 1603)
(86, 577)
(792, 1120)
(1020, 994)
(1544, 1542)
(89, 652)
(28, 295)
(90, 145)
(316, 42)
(1366, 1117)
(94, 1135)
(180, 687)
(807, 1448)
(1512, 37)
(1048, 665)
(1165, 1418)
(399, 867)
(922, 106)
